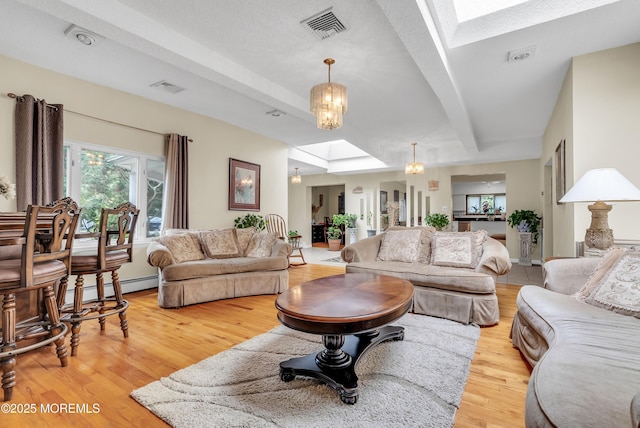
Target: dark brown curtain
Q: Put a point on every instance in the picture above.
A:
(39, 151)
(176, 183)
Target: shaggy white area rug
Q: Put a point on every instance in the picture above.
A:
(417, 382)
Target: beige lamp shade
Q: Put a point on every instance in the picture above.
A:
(600, 186)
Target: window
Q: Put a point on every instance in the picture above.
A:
(98, 176)
(486, 204)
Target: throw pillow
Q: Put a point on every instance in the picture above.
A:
(219, 244)
(261, 244)
(610, 259)
(425, 243)
(183, 247)
(243, 236)
(400, 246)
(616, 284)
(457, 249)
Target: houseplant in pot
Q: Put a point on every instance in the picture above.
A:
(437, 220)
(526, 222)
(248, 220)
(335, 232)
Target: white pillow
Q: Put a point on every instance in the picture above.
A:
(457, 249)
(615, 284)
(400, 246)
(261, 244)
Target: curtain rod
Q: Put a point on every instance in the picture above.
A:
(12, 95)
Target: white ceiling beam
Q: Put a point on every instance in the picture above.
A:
(416, 28)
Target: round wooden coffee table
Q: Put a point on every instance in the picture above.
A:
(351, 312)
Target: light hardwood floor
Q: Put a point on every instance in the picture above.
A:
(162, 341)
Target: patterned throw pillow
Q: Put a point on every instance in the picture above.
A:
(400, 246)
(426, 232)
(261, 244)
(243, 236)
(219, 244)
(615, 284)
(457, 249)
(183, 247)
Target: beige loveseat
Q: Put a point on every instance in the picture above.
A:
(454, 273)
(206, 265)
(586, 357)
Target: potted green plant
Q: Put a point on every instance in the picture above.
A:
(334, 237)
(525, 221)
(352, 220)
(249, 220)
(437, 220)
(335, 232)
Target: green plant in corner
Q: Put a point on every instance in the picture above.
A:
(437, 220)
(293, 233)
(249, 220)
(525, 221)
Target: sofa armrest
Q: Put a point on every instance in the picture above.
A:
(159, 256)
(365, 250)
(495, 258)
(567, 276)
(281, 249)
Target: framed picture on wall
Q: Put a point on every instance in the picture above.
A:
(244, 185)
(560, 172)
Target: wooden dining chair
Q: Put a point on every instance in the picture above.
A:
(114, 246)
(45, 259)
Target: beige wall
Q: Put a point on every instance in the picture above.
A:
(522, 181)
(214, 142)
(597, 112)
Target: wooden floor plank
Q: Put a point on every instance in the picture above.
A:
(162, 341)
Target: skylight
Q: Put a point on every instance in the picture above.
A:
(338, 156)
(468, 21)
(467, 10)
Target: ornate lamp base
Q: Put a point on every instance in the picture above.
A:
(598, 234)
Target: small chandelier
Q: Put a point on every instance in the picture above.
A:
(414, 167)
(329, 102)
(296, 179)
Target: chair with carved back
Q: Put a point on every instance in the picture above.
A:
(114, 249)
(276, 224)
(45, 259)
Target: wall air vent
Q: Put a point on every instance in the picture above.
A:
(167, 87)
(324, 24)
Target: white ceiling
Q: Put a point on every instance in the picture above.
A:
(413, 72)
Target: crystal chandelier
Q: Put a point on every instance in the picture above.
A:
(329, 102)
(414, 167)
(296, 179)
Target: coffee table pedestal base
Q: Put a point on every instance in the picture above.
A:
(335, 365)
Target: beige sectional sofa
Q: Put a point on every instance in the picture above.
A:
(206, 265)
(454, 273)
(580, 334)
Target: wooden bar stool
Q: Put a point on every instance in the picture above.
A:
(114, 248)
(44, 261)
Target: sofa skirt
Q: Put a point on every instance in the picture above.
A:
(481, 309)
(175, 294)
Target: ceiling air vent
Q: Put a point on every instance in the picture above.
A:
(324, 24)
(167, 87)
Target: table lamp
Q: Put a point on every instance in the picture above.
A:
(600, 185)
